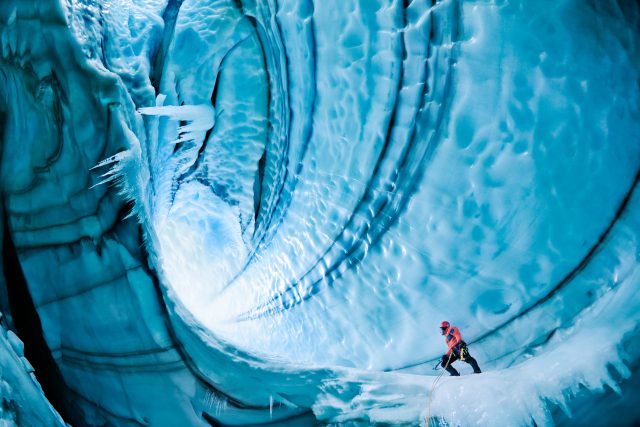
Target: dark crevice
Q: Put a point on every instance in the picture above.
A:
(114, 355)
(303, 419)
(127, 367)
(212, 421)
(170, 16)
(216, 85)
(257, 186)
(29, 328)
(277, 159)
(239, 6)
(6, 317)
(262, 163)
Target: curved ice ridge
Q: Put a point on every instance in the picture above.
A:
(304, 190)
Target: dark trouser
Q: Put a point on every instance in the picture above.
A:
(459, 352)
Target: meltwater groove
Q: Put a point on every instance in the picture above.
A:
(393, 175)
(241, 212)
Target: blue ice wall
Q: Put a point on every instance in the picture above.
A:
(247, 212)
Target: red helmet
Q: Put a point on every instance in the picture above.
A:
(445, 325)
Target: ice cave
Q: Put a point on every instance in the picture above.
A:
(260, 212)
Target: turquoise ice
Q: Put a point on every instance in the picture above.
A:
(257, 211)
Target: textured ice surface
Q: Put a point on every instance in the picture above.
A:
(23, 403)
(295, 193)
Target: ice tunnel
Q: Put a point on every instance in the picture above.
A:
(258, 212)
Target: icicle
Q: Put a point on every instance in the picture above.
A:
(270, 406)
(200, 119)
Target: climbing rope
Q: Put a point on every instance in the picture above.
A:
(427, 421)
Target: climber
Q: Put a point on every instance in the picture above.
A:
(457, 350)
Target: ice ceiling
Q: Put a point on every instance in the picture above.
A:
(241, 212)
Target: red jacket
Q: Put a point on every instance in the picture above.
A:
(452, 338)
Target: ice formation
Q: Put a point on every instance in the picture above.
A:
(239, 212)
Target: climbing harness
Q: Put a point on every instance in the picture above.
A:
(427, 420)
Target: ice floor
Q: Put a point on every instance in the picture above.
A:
(256, 212)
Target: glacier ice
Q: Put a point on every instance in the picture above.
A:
(247, 212)
(23, 402)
